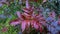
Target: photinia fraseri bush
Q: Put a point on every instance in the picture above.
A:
(27, 18)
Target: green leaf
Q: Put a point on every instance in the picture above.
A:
(7, 21)
(1, 11)
(4, 6)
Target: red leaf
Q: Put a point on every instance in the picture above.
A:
(41, 30)
(15, 22)
(4, 29)
(35, 0)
